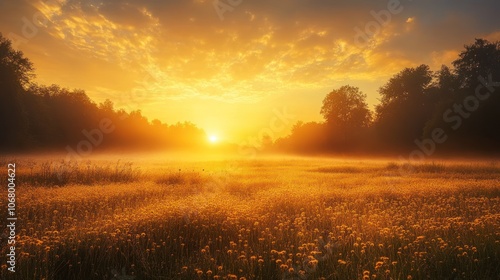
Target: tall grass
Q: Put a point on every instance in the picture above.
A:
(61, 173)
(263, 223)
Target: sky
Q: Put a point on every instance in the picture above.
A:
(236, 67)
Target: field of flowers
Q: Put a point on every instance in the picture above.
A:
(275, 218)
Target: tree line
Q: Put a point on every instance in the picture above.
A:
(454, 109)
(451, 110)
(37, 117)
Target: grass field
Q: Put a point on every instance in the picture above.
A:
(274, 218)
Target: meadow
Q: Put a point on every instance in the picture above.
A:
(270, 218)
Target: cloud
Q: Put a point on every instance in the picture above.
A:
(180, 49)
(124, 36)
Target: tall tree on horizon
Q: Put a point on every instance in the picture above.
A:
(405, 106)
(346, 108)
(476, 71)
(480, 59)
(16, 72)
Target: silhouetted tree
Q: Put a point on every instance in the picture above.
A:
(346, 108)
(446, 81)
(15, 73)
(35, 116)
(470, 111)
(480, 59)
(413, 103)
(311, 137)
(405, 107)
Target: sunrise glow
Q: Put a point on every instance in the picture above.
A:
(250, 139)
(248, 61)
(213, 138)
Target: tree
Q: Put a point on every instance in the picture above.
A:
(480, 59)
(408, 85)
(405, 107)
(15, 68)
(311, 137)
(15, 74)
(36, 116)
(446, 81)
(107, 106)
(478, 63)
(346, 108)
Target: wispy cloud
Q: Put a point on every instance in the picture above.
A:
(190, 54)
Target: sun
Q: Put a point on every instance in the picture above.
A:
(213, 138)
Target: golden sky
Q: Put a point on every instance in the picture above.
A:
(229, 65)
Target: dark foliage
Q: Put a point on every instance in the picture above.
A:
(463, 102)
(34, 117)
